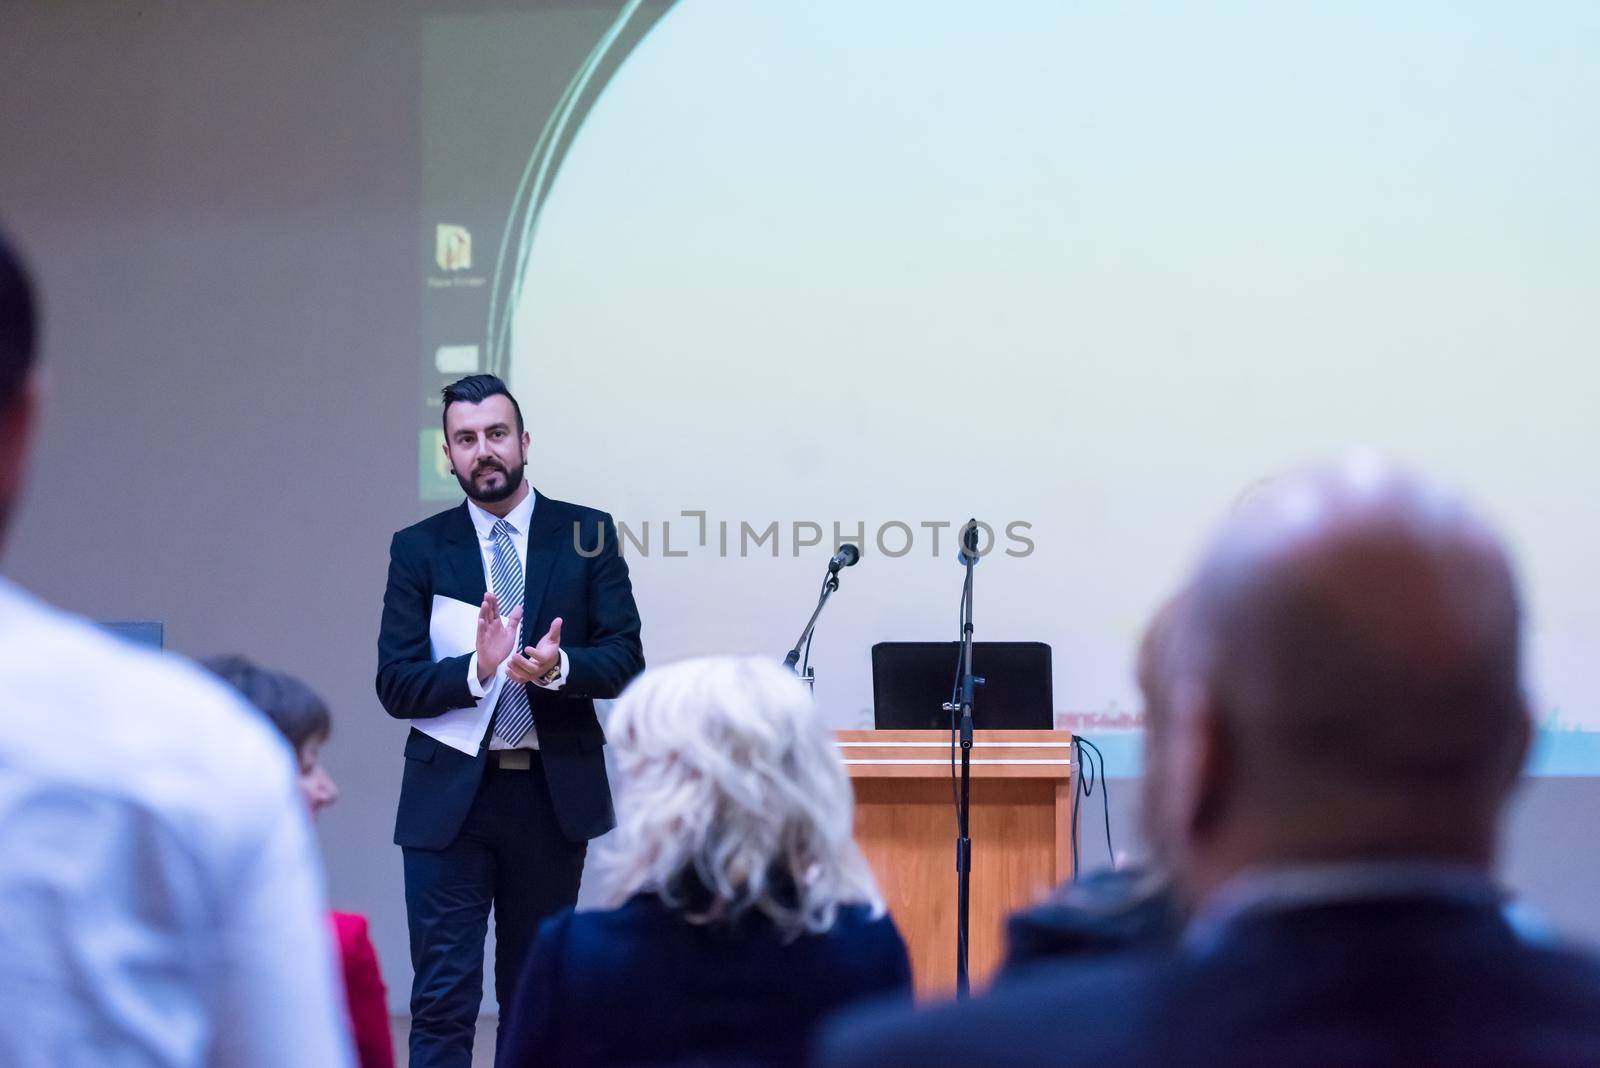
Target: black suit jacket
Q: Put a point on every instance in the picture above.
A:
(591, 593)
(641, 985)
(1396, 982)
(1116, 910)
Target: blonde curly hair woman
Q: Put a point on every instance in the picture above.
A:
(741, 912)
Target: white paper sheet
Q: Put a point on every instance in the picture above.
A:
(453, 631)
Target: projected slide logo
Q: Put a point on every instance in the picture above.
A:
(452, 256)
(453, 247)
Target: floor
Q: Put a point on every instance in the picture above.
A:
(482, 1047)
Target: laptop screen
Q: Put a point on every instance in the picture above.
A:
(911, 681)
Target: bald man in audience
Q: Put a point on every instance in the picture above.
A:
(1347, 721)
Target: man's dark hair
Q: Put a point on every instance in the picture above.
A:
(475, 389)
(298, 713)
(17, 325)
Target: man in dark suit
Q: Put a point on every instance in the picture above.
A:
(505, 779)
(1346, 721)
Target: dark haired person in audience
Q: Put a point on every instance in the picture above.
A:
(160, 900)
(742, 911)
(1347, 720)
(504, 619)
(302, 718)
(1133, 908)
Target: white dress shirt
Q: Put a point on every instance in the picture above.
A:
(161, 901)
(518, 519)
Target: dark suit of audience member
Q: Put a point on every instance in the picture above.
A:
(640, 985)
(744, 912)
(1347, 720)
(1132, 910)
(1434, 976)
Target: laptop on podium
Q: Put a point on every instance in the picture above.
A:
(911, 681)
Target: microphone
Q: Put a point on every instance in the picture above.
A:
(968, 553)
(847, 556)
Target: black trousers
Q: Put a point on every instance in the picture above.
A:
(510, 854)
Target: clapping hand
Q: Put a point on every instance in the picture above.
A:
(537, 661)
(496, 636)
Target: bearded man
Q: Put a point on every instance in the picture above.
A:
(505, 617)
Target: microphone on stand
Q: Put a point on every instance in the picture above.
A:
(968, 553)
(847, 556)
(962, 728)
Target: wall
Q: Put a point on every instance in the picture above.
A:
(219, 208)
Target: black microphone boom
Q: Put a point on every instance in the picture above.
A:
(845, 557)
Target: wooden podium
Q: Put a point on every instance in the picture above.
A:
(906, 824)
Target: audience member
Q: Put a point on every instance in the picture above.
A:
(160, 901)
(743, 913)
(1347, 720)
(302, 718)
(1134, 908)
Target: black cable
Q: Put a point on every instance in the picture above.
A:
(964, 617)
(805, 661)
(1105, 804)
(1091, 770)
(955, 694)
(1077, 785)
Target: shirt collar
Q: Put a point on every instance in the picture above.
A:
(1282, 889)
(519, 517)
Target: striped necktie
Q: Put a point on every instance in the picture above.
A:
(512, 716)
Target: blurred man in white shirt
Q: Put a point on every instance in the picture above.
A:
(160, 902)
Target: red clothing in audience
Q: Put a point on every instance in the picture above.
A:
(363, 984)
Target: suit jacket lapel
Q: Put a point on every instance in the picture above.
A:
(544, 546)
(462, 563)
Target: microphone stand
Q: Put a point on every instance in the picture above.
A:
(969, 684)
(805, 671)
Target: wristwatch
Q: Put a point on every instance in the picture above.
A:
(553, 675)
